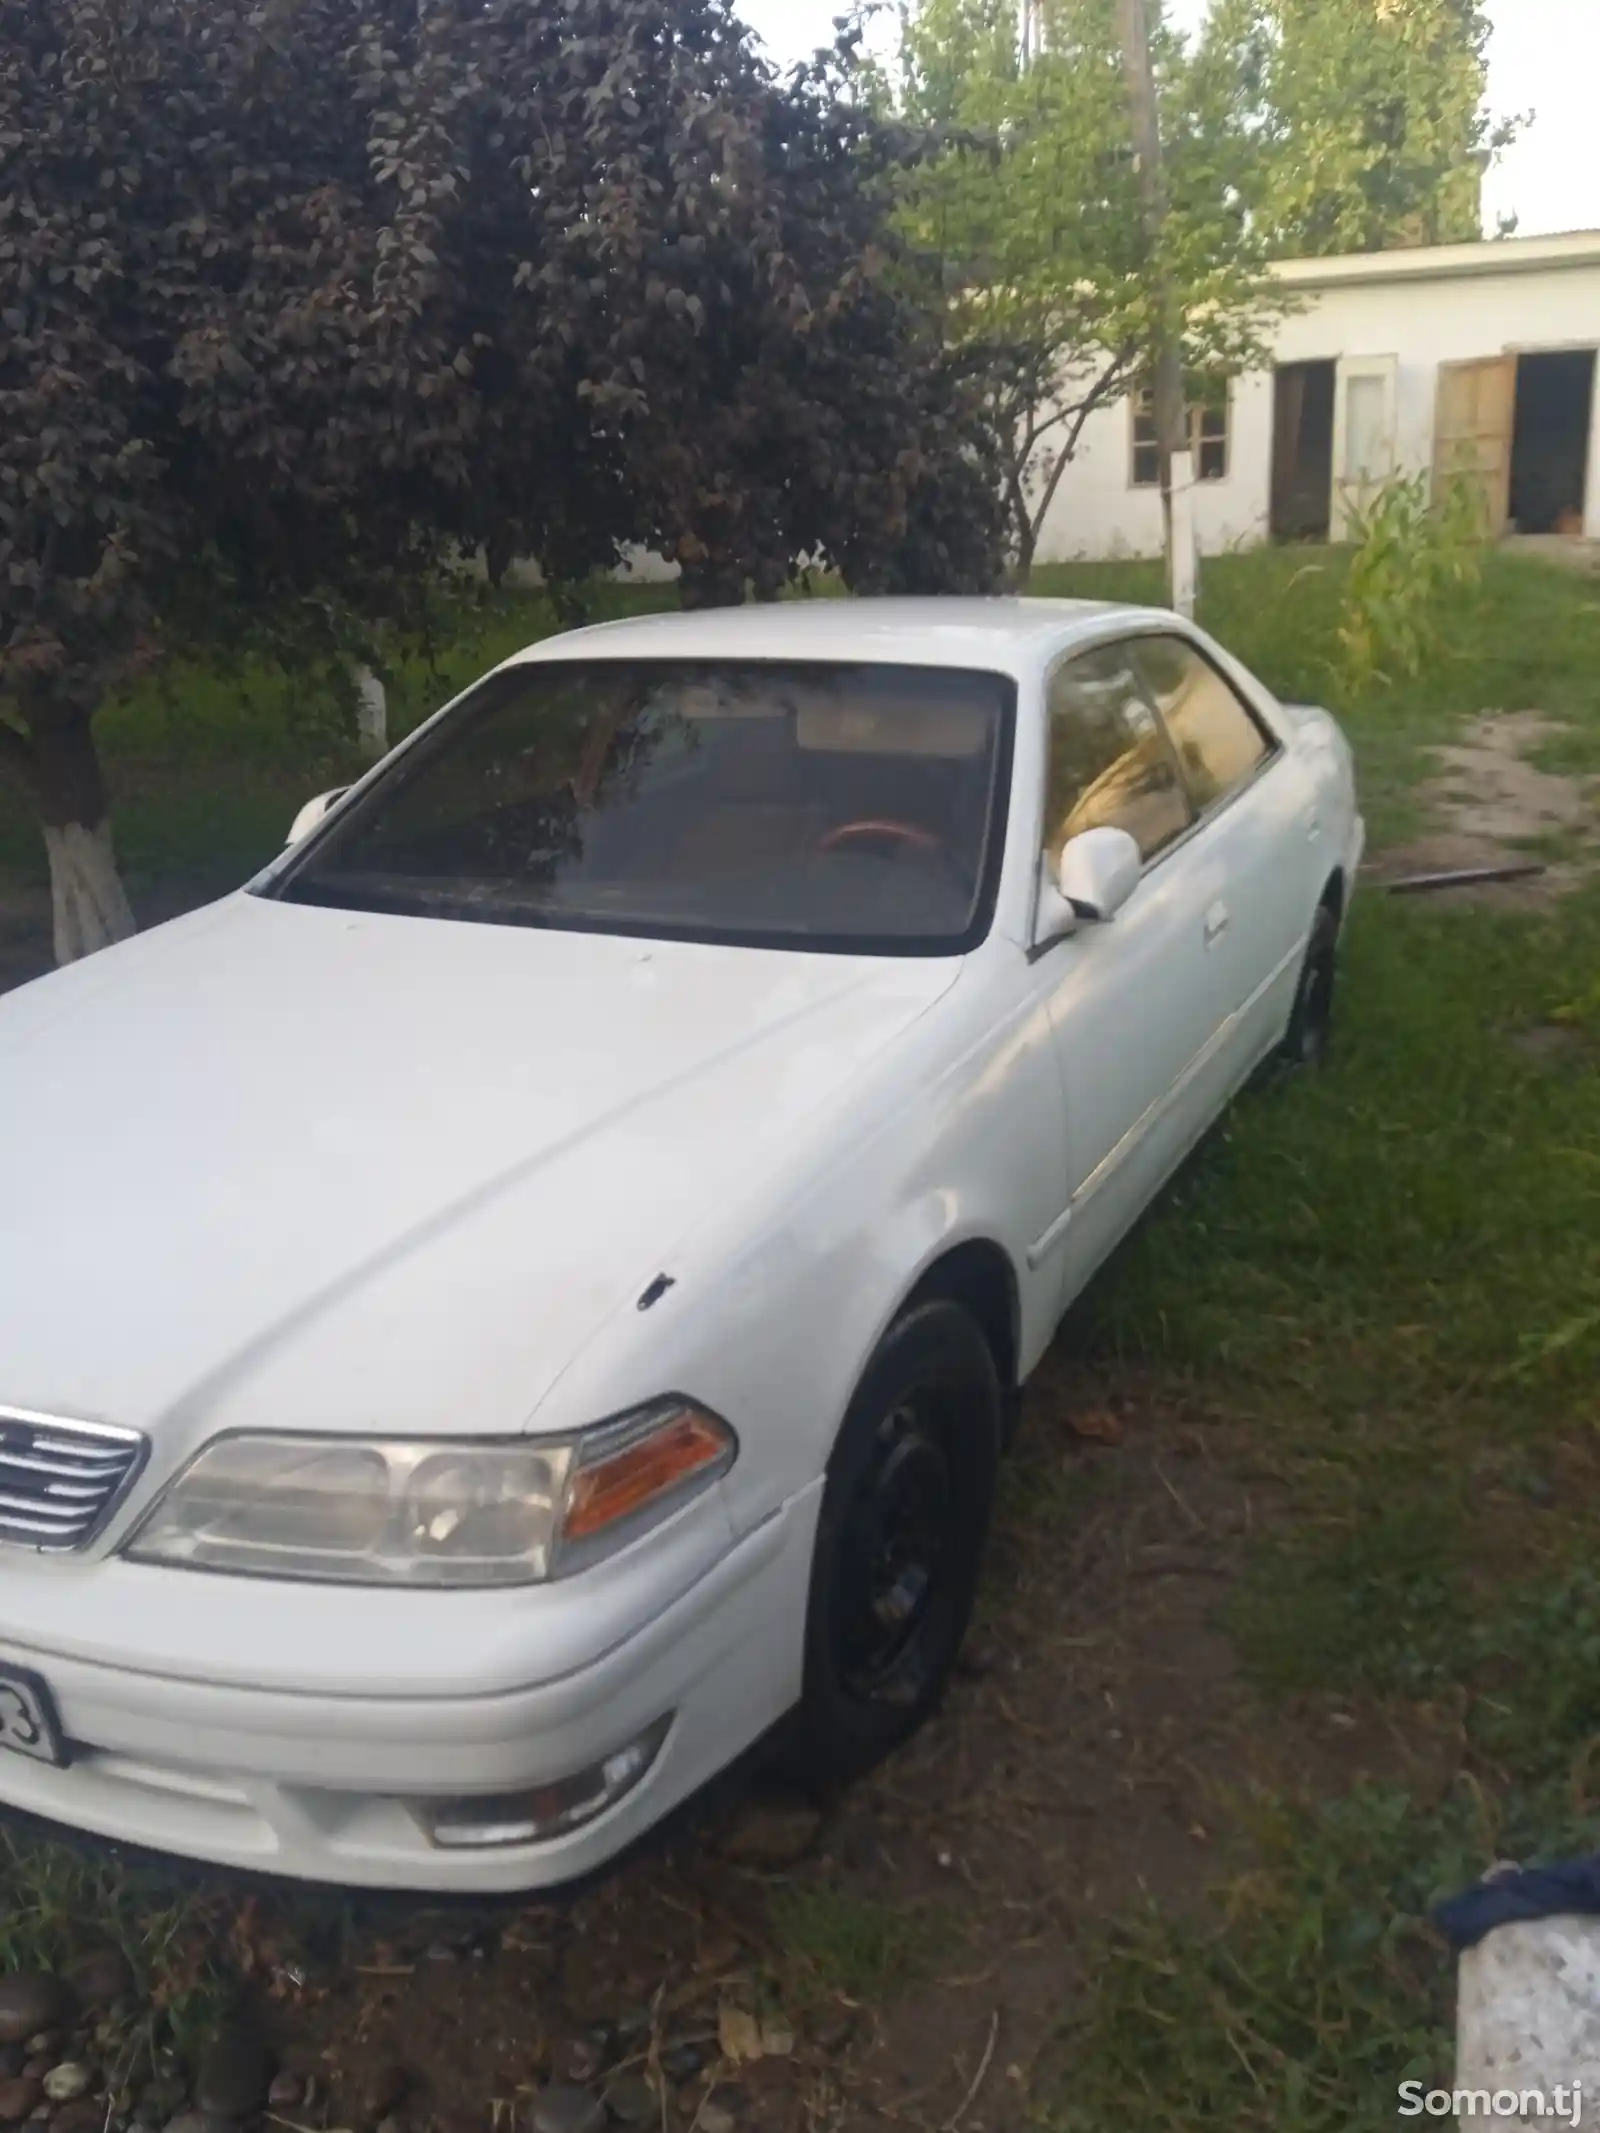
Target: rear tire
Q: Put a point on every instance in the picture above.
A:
(1311, 1023)
(899, 1544)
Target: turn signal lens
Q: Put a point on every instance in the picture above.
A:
(642, 1468)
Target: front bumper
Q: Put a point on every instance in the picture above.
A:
(320, 1786)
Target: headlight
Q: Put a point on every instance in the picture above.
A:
(365, 1511)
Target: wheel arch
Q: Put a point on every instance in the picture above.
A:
(978, 1275)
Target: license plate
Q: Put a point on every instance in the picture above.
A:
(28, 1722)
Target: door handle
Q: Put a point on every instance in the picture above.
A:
(1216, 924)
(1313, 825)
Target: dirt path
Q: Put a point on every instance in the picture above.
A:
(1488, 804)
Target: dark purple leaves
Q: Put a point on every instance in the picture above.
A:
(295, 303)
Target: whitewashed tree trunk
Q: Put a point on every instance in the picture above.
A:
(1185, 538)
(89, 905)
(372, 712)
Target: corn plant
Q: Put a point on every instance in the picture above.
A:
(1415, 556)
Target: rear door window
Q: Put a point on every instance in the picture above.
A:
(1219, 742)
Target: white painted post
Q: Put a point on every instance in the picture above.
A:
(1528, 2022)
(1591, 503)
(372, 712)
(1185, 537)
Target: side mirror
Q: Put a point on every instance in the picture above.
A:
(1098, 871)
(312, 813)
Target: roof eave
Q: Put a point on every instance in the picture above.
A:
(1444, 262)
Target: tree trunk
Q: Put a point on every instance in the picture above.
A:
(1025, 540)
(372, 712)
(1167, 355)
(1021, 518)
(89, 905)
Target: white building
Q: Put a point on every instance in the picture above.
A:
(1468, 357)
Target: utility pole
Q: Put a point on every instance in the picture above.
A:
(1172, 442)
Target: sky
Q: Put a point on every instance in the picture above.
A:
(1545, 58)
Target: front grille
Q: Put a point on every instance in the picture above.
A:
(60, 1481)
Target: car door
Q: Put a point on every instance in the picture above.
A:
(1132, 1003)
(1255, 808)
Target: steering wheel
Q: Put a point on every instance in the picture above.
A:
(906, 833)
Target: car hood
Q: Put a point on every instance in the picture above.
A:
(317, 1169)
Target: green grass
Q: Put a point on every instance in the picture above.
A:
(1572, 754)
(835, 1944)
(1377, 1605)
(1418, 1230)
(62, 1900)
(1300, 2010)
(1319, 1986)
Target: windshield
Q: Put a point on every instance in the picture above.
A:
(844, 807)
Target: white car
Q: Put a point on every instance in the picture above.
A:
(525, 1299)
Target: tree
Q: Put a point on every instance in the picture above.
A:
(1359, 124)
(1034, 208)
(300, 296)
(801, 400)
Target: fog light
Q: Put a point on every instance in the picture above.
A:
(545, 1811)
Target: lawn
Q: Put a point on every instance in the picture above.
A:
(1380, 1289)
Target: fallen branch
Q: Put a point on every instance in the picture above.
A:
(1464, 878)
(962, 2107)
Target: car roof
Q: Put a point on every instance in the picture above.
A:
(1002, 635)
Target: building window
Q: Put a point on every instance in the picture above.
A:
(1207, 425)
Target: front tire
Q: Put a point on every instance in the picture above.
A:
(899, 1544)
